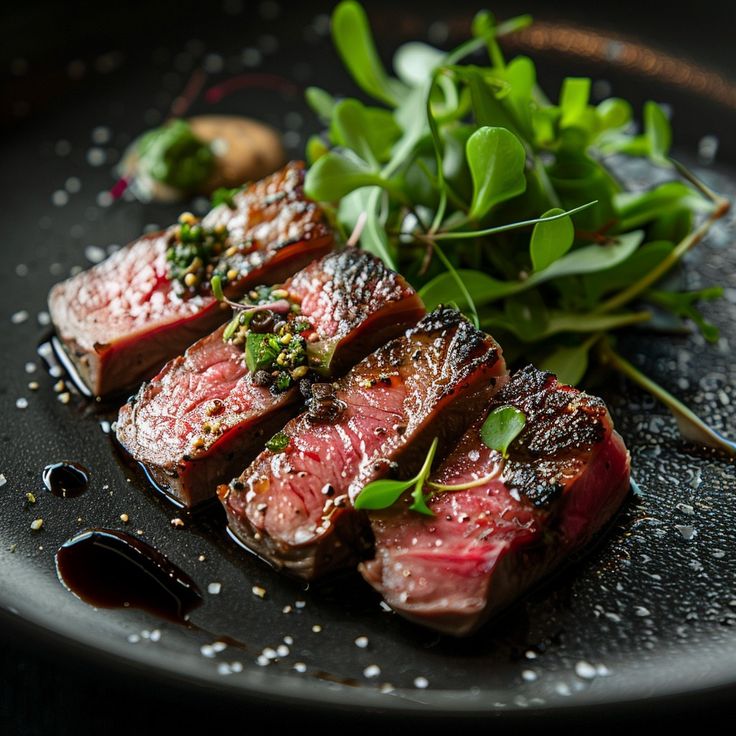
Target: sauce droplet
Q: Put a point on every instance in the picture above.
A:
(66, 479)
(112, 569)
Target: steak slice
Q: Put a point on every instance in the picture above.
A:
(294, 508)
(202, 417)
(565, 476)
(123, 318)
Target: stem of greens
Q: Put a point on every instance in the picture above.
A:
(417, 494)
(439, 487)
(460, 285)
(690, 425)
(651, 278)
(510, 226)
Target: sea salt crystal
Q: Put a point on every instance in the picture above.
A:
(585, 670)
(372, 670)
(361, 642)
(214, 588)
(19, 317)
(421, 682)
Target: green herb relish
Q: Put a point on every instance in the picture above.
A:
(279, 442)
(192, 251)
(275, 345)
(174, 155)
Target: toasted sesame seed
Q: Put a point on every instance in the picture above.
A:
(258, 591)
(30, 498)
(177, 523)
(316, 628)
(124, 518)
(36, 524)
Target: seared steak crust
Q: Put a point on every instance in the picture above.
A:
(202, 418)
(294, 508)
(561, 421)
(488, 544)
(121, 319)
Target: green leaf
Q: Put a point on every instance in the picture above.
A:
(569, 364)
(279, 442)
(322, 102)
(639, 208)
(682, 303)
(658, 133)
(315, 149)
(353, 39)
(591, 258)
(444, 289)
(224, 195)
(369, 131)
(643, 260)
(613, 113)
(551, 240)
(528, 315)
(335, 175)
(502, 427)
(415, 62)
(261, 351)
(380, 494)
(496, 160)
(574, 100)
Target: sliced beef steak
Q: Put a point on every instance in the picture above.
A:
(122, 319)
(294, 508)
(203, 417)
(565, 476)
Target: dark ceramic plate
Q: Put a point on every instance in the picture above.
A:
(650, 611)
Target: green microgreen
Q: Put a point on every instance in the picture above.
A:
(224, 195)
(543, 239)
(279, 442)
(380, 494)
(502, 426)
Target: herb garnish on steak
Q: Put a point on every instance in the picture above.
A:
(565, 475)
(207, 413)
(123, 318)
(294, 507)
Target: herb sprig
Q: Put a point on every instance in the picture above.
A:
(488, 194)
(497, 432)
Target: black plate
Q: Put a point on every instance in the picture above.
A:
(649, 612)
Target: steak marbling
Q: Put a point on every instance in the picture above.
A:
(294, 508)
(202, 418)
(565, 476)
(122, 319)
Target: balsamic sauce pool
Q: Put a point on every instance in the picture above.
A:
(112, 569)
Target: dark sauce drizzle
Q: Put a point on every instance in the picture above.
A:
(58, 363)
(66, 479)
(113, 569)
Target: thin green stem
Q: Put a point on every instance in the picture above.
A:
(439, 487)
(510, 226)
(460, 285)
(691, 426)
(651, 278)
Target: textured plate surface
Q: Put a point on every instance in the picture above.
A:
(650, 611)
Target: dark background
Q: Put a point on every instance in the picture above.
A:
(57, 56)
